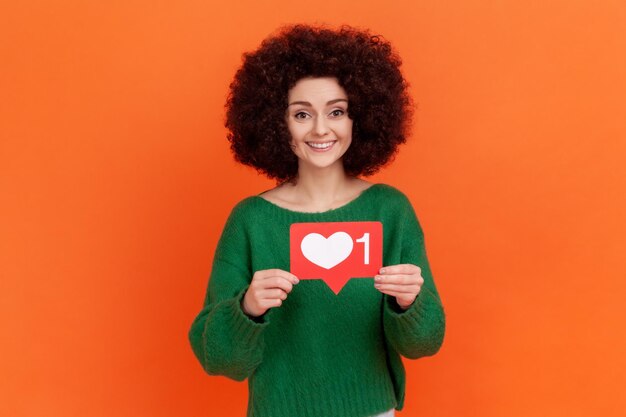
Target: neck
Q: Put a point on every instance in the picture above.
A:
(322, 186)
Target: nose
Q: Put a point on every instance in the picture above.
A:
(320, 128)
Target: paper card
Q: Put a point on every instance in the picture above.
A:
(336, 251)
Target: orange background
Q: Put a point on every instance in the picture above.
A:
(116, 179)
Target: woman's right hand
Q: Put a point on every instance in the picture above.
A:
(269, 288)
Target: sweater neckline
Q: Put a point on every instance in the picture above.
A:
(350, 203)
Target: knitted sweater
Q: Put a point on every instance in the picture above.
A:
(319, 354)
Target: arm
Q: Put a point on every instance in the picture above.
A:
(224, 339)
(419, 330)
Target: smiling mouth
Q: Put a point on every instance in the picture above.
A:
(321, 146)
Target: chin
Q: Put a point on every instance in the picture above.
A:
(324, 165)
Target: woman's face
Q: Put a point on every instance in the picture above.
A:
(317, 118)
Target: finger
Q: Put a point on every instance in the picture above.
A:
(406, 269)
(269, 273)
(277, 282)
(395, 294)
(398, 279)
(273, 294)
(403, 289)
(284, 274)
(270, 302)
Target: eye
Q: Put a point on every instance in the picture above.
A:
(300, 115)
(337, 112)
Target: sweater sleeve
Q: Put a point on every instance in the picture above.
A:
(419, 330)
(224, 339)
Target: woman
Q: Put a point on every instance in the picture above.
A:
(315, 109)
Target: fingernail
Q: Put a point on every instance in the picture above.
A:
(297, 280)
(376, 285)
(382, 270)
(378, 278)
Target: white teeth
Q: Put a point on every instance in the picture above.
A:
(324, 145)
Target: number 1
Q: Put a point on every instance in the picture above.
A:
(365, 239)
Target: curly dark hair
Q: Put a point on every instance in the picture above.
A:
(366, 67)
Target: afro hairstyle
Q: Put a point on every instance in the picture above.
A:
(365, 66)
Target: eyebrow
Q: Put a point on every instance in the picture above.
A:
(306, 103)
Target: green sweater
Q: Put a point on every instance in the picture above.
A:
(319, 354)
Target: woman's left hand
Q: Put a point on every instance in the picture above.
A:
(402, 281)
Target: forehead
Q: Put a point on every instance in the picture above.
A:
(317, 89)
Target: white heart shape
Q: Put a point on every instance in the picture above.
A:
(324, 252)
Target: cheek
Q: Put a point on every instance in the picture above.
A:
(295, 140)
(347, 131)
(292, 133)
(297, 133)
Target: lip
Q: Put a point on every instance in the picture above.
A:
(332, 142)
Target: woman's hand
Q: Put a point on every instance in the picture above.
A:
(268, 288)
(401, 281)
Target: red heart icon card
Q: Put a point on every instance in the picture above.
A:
(336, 251)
